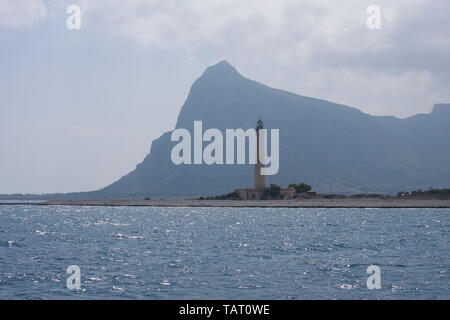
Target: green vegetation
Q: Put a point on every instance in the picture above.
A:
(430, 193)
(273, 192)
(301, 187)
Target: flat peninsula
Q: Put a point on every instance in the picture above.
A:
(294, 203)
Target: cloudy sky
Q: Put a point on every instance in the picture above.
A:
(79, 108)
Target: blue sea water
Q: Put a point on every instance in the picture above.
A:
(223, 253)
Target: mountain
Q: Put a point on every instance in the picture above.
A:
(334, 148)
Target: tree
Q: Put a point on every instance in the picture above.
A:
(274, 192)
(303, 187)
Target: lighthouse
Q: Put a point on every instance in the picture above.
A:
(260, 180)
(257, 192)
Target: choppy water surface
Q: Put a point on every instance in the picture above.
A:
(223, 253)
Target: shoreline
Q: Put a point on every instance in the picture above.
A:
(295, 203)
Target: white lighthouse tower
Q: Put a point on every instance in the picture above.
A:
(260, 180)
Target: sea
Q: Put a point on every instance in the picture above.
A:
(223, 253)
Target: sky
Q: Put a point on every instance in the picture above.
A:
(79, 108)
